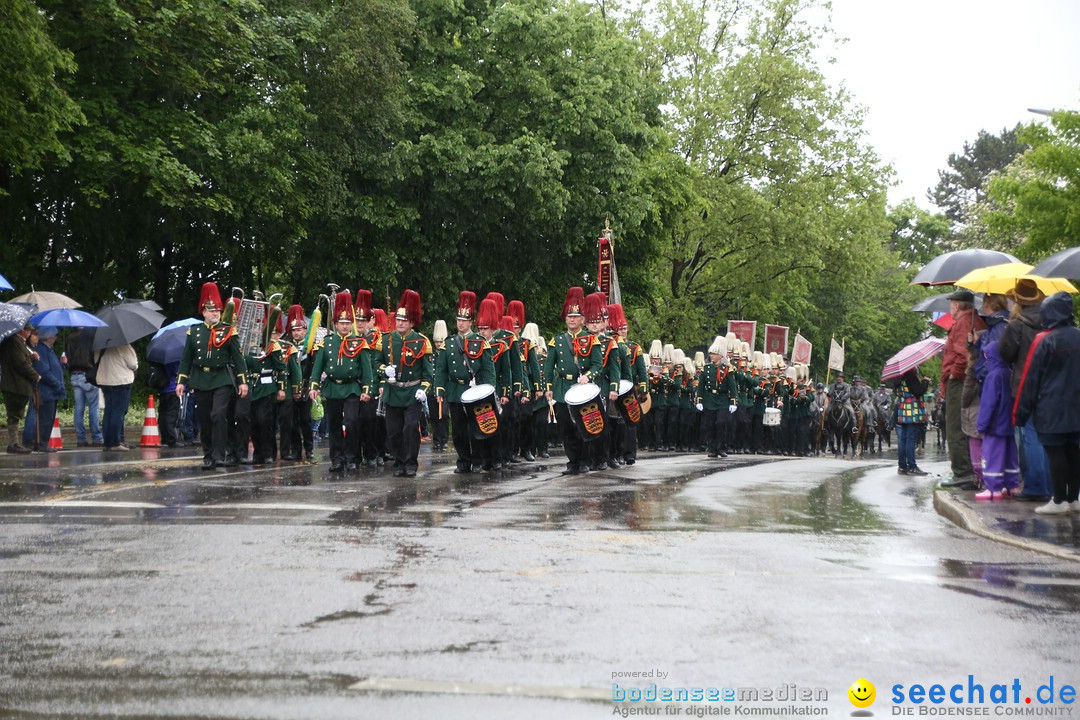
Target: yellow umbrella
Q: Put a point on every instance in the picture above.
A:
(996, 279)
(1049, 286)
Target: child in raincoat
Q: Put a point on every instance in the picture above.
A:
(1000, 459)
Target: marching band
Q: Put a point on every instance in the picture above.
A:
(498, 390)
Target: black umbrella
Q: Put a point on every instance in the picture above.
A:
(147, 303)
(127, 322)
(1065, 264)
(13, 318)
(939, 303)
(948, 268)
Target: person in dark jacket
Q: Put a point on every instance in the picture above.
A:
(1024, 325)
(1001, 464)
(1050, 395)
(18, 380)
(51, 388)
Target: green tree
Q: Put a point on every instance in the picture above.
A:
(35, 108)
(963, 186)
(1038, 196)
(785, 194)
(917, 235)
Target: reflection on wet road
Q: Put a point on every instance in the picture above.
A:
(145, 587)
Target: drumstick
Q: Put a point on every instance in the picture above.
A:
(551, 410)
(440, 407)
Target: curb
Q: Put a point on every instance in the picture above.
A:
(959, 513)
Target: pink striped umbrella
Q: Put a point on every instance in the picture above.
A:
(912, 356)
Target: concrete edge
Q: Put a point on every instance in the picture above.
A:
(959, 513)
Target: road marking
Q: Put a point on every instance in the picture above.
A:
(467, 688)
(84, 504)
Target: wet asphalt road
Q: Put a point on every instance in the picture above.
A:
(142, 587)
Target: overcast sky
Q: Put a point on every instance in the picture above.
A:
(932, 73)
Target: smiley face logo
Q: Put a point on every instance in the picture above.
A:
(862, 693)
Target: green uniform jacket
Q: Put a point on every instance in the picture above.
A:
(564, 363)
(269, 373)
(413, 359)
(294, 375)
(465, 359)
(717, 387)
(799, 401)
(372, 355)
(639, 369)
(17, 373)
(212, 358)
(502, 354)
(611, 359)
(347, 371)
(531, 383)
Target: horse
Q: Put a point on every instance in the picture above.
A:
(839, 422)
(862, 433)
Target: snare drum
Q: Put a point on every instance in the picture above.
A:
(628, 404)
(482, 409)
(772, 417)
(586, 410)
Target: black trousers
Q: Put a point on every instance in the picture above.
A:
(342, 420)
(300, 440)
(283, 412)
(168, 418)
(573, 446)
(1064, 462)
(369, 430)
(239, 426)
(214, 427)
(467, 454)
(541, 425)
(714, 430)
(526, 434)
(262, 429)
(403, 434)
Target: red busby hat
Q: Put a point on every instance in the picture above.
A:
(500, 302)
(381, 321)
(409, 308)
(516, 310)
(616, 317)
(210, 297)
(362, 307)
(296, 317)
(594, 307)
(575, 299)
(343, 308)
(506, 323)
(488, 317)
(466, 307)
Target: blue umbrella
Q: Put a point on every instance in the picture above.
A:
(4, 284)
(66, 317)
(167, 345)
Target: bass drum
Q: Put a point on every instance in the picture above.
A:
(482, 408)
(586, 410)
(627, 403)
(772, 417)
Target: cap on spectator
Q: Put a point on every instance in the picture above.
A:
(47, 332)
(963, 295)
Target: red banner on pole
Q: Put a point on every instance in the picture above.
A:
(745, 331)
(776, 339)
(603, 271)
(801, 350)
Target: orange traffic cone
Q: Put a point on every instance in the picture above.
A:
(150, 436)
(56, 442)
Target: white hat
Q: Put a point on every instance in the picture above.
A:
(677, 356)
(669, 353)
(699, 359)
(656, 350)
(531, 333)
(719, 346)
(744, 350)
(757, 361)
(688, 366)
(439, 333)
(541, 345)
(733, 343)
